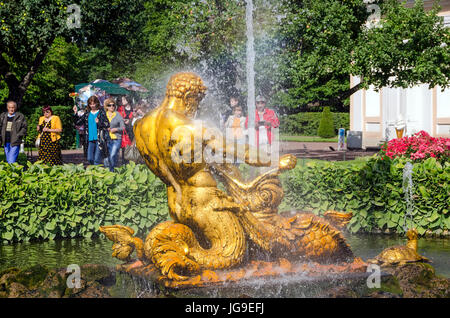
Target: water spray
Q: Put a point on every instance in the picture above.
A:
(408, 189)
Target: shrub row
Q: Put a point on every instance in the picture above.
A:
(67, 140)
(373, 191)
(306, 124)
(68, 201)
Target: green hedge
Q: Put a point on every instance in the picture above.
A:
(306, 124)
(373, 191)
(65, 113)
(42, 202)
(70, 201)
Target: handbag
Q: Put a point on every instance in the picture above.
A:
(38, 141)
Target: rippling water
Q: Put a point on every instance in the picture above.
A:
(59, 254)
(436, 249)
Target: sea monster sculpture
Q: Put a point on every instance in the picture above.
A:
(211, 229)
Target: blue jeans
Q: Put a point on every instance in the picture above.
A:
(11, 153)
(113, 148)
(94, 155)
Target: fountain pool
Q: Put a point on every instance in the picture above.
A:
(61, 253)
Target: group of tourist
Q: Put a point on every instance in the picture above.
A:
(105, 130)
(265, 120)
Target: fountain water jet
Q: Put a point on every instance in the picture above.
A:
(408, 189)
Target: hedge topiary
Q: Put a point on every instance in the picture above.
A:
(70, 201)
(326, 126)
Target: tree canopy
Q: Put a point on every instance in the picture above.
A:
(306, 50)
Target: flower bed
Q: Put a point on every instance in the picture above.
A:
(418, 147)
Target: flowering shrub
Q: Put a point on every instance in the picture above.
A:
(418, 147)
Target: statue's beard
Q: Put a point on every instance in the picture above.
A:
(191, 112)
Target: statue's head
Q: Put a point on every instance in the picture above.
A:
(412, 234)
(189, 87)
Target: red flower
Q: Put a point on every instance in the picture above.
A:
(417, 147)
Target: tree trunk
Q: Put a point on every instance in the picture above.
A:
(17, 88)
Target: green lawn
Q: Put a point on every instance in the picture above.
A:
(359, 161)
(307, 138)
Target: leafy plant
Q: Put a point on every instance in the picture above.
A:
(373, 192)
(70, 201)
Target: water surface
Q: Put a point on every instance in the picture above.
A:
(61, 253)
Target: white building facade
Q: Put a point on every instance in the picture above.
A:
(375, 113)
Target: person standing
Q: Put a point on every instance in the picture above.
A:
(116, 127)
(235, 127)
(81, 131)
(96, 128)
(13, 128)
(126, 111)
(234, 101)
(49, 128)
(265, 121)
(139, 113)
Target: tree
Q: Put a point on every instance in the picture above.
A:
(59, 71)
(203, 36)
(28, 29)
(327, 41)
(107, 35)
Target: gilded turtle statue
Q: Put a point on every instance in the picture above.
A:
(401, 254)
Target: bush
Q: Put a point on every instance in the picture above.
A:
(21, 159)
(373, 191)
(67, 140)
(326, 126)
(305, 124)
(70, 201)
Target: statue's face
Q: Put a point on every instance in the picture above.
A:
(192, 101)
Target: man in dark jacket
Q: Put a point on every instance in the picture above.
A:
(13, 128)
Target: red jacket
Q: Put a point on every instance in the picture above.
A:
(269, 116)
(127, 134)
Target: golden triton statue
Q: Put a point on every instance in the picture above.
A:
(211, 229)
